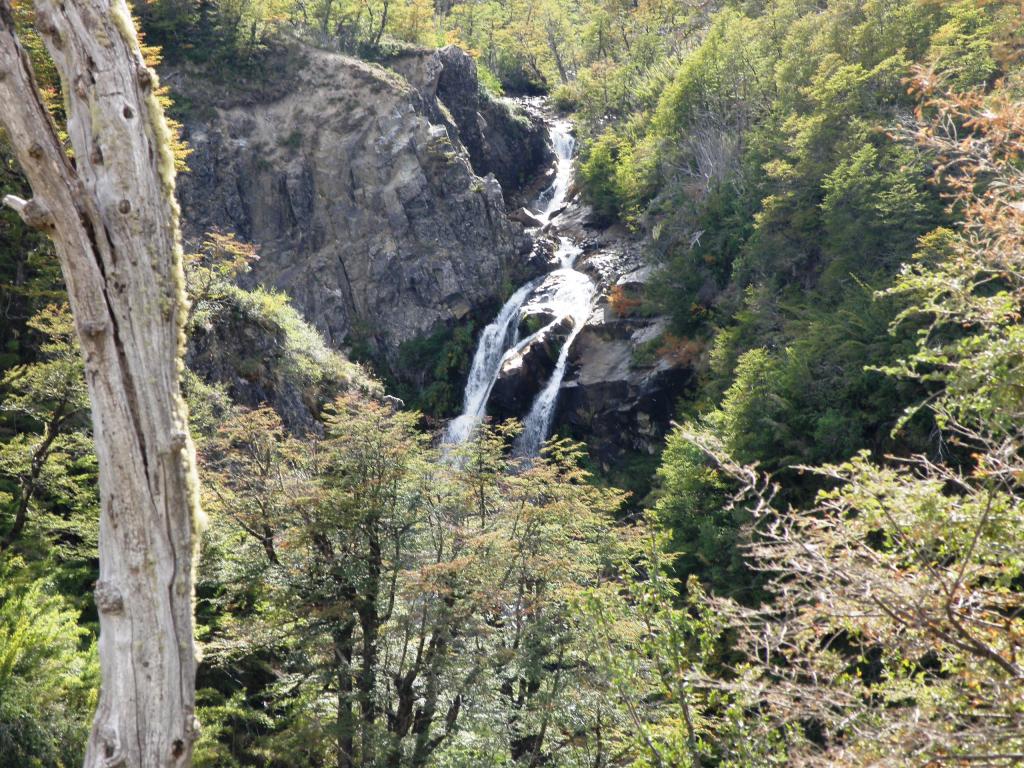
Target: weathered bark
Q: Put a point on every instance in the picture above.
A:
(423, 723)
(113, 220)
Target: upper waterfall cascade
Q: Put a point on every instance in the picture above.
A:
(564, 293)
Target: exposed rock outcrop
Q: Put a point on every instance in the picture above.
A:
(500, 136)
(615, 402)
(524, 217)
(525, 371)
(262, 352)
(621, 395)
(365, 212)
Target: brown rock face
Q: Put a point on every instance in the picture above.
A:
(365, 212)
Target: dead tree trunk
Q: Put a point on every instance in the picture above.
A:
(113, 219)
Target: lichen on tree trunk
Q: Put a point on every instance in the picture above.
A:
(112, 216)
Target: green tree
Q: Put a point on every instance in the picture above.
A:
(661, 658)
(705, 528)
(893, 629)
(49, 464)
(421, 610)
(48, 673)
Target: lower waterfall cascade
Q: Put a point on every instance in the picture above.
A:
(565, 293)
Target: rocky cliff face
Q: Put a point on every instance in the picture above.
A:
(368, 214)
(374, 198)
(500, 137)
(619, 392)
(262, 352)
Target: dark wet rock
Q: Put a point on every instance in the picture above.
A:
(542, 256)
(524, 217)
(247, 359)
(580, 222)
(535, 317)
(526, 371)
(607, 261)
(532, 192)
(615, 402)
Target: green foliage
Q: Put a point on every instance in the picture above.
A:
(752, 417)
(598, 172)
(47, 468)
(430, 370)
(657, 654)
(489, 82)
(54, 386)
(776, 195)
(48, 676)
(371, 571)
(367, 600)
(524, 46)
(719, 79)
(694, 507)
(875, 207)
(48, 504)
(29, 274)
(306, 356)
(962, 47)
(894, 597)
(231, 34)
(962, 286)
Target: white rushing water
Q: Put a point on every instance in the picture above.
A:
(496, 339)
(563, 293)
(553, 198)
(573, 299)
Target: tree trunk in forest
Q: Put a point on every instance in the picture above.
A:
(345, 724)
(563, 75)
(28, 486)
(114, 222)
(369, 622)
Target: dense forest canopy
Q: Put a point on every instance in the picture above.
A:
(823, 566)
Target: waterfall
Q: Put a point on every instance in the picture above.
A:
(496, 339)
(574, 302)
(553, 198)
(564, 292)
